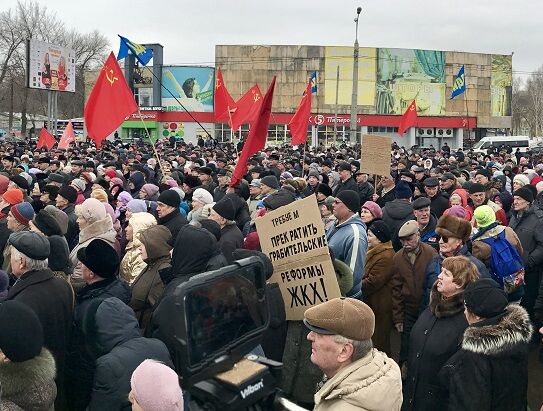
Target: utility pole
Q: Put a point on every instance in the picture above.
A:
(354, 101)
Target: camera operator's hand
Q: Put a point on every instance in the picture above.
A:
(399, 327)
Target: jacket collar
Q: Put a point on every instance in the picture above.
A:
(28, 279)
(441, 307)
(169, 217)
(91, 289)
(96, 229)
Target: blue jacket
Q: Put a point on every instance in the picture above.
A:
(349, 243)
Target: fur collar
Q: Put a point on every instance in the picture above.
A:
(512, 329)
(98, 228)
(442, 307)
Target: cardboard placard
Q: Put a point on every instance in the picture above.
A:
(293, 237)
(375, 156)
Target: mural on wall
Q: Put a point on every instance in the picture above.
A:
(501, 82)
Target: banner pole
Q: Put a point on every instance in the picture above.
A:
(151, 141)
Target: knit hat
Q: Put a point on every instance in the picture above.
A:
(522, 179)
(100, 258)
(150, 189)
(69, 193)
(484, 215)
(202, 195)
(46, 223)
(170, 198)
(485, 298)
(99, 195)
(451, 226)
(13, 196)
(457, 211)
(380, 230)
(351, 199)
(374, 209)
(476, 188)
(21, 338)
(324, 189)
(525, 193)
(155, 387)
(23, 212)
(484, 172)
(403, 191)
(136, 206)
(60, 217)
(78, 184)
(20, 181)
(270, 181)
(91, 210)
(313, 173)
(225, 208)
(31, 244)
(285, 175)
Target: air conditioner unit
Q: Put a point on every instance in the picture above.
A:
(428, 132)
(445, 132)
(421, 132)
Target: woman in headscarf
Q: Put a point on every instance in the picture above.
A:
(370, 211)
(149, 192)
(132, 263)
(135, 183)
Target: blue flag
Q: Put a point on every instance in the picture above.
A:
(314, 82)
(143, 54)
(459, 85)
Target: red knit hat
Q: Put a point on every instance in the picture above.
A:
(111, 173)
(13, 196)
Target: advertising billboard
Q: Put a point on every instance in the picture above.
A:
(50, 67)
(501, 82)
(192, 86)
(405, 75)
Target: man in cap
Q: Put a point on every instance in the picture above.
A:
(447, 183)
(65, 201)
(76, 167)
(224, 213)
(223, 177)
(439, 202)
(273, 165)
(387, 192)
(346, 180)
(426, 220)
(365, 189)
(268, 185)
(205, 176)
(409, 265)
(167, 208)
(398, 211)
(478, 196)
(255, 192)
(313, 180)
(55, 179)
(347, 238)
(357, 376)
(483, 176)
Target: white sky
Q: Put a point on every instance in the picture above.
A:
(189, 30)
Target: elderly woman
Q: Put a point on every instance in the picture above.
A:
(132, 263)
(149, 192)
(200, 199)
(520, 180)
(370, 211)
(376, 282)
(326, 208)
(437, 335)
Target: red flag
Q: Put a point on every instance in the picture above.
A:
(409, 118)
(247, 108)
(223, 100)
(68, 136)
(300, 120)
(110, 102)
(256, 140)
(46, 139)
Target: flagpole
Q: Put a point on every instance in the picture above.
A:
(232, 132)
(151, 141)
(467, 111)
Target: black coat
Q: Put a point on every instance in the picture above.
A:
(231, 239)
(349, 184)
(173, 222)
(529, 229)
(490, 372)
(365, 191)
(439, 203)
(395, 214)
(435, 337)
(72, 235)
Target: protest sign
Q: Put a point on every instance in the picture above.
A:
(294, 239)
(375, 156)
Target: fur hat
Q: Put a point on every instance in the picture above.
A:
(100, 258)
(46, 223)
(451, 226)
(60, 216)
(21, 338)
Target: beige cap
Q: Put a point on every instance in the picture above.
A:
(409, 228)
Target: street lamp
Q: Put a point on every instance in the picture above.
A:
(354, 101)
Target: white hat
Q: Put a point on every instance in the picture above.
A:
(203, 196)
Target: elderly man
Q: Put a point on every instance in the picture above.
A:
(447, 183)
(388, 191)
(439, 202)
(346, 181)
(223, 178)
(167, 208)
(224, 213)
(357, 376)
(365, 189)
(18, 219)
(478, 196)
(427, 221)
(347, 238)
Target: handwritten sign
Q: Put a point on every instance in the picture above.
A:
(375, 156)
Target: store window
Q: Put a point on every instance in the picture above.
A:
(277, 134)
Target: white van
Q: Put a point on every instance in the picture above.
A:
(522, 142)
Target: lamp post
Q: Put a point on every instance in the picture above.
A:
(354, 101)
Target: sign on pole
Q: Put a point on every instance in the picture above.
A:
(294, 239)
(375, 156)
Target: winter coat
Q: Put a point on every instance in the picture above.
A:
(116, 338)
(498, 211)
(348, 184)
(132, 264)
(529, 228)
(173, 221)
(490, 372)
(231, 239)
(387, 197)
(395, 214)
(60, 263)
(102, 229)
(439, 203)
(377, 286)
(365, 191)
(72, 234)
(408, 282)
(371, 383)
(428, 235)
(349, 243)
(435, 337)
(29, 385)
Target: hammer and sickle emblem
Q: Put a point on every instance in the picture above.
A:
(218, 83)
(111, 77)
(256, 96)
(412, 108)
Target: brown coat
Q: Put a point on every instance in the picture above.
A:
(482, 251)
(408, 282)
(377, 291)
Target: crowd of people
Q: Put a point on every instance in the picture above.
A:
(449, 256)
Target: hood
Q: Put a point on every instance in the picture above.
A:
(192, 251)
(101, 228)
(156, 239)
(140, 222)
(398, 209)
(463, 195)
(138, 179)
(495, 336)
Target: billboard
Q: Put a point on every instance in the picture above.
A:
(50, 67)
(192, 86)
(405, 75)
(501, 82)
(342, 57)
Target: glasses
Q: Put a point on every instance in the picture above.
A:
(444, 238)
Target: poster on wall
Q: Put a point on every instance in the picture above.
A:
(50, 67)
(501, 82)
(404, 75)
(192, 86)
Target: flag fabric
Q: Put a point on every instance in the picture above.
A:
(224, 102)
(300, 120)
(258, 133)
(142, 53)
(46, 139)
(68, 137)
(409, 118)
(314, 82)
(247, 108)
(109, 103)
(459, 85)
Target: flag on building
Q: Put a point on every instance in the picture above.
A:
(314, 82)
(46, 139)
(299, 122)
(258, 133)
(109, 103)
(68, 137)
(459, 85)
(409, 118)
(247, 108)
(224, 102)
(143, 54)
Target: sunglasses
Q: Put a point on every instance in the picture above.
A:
(444, 238)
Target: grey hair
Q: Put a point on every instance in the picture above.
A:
(31, 263)
(360, 348)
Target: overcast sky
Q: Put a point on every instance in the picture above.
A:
(189, 30)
